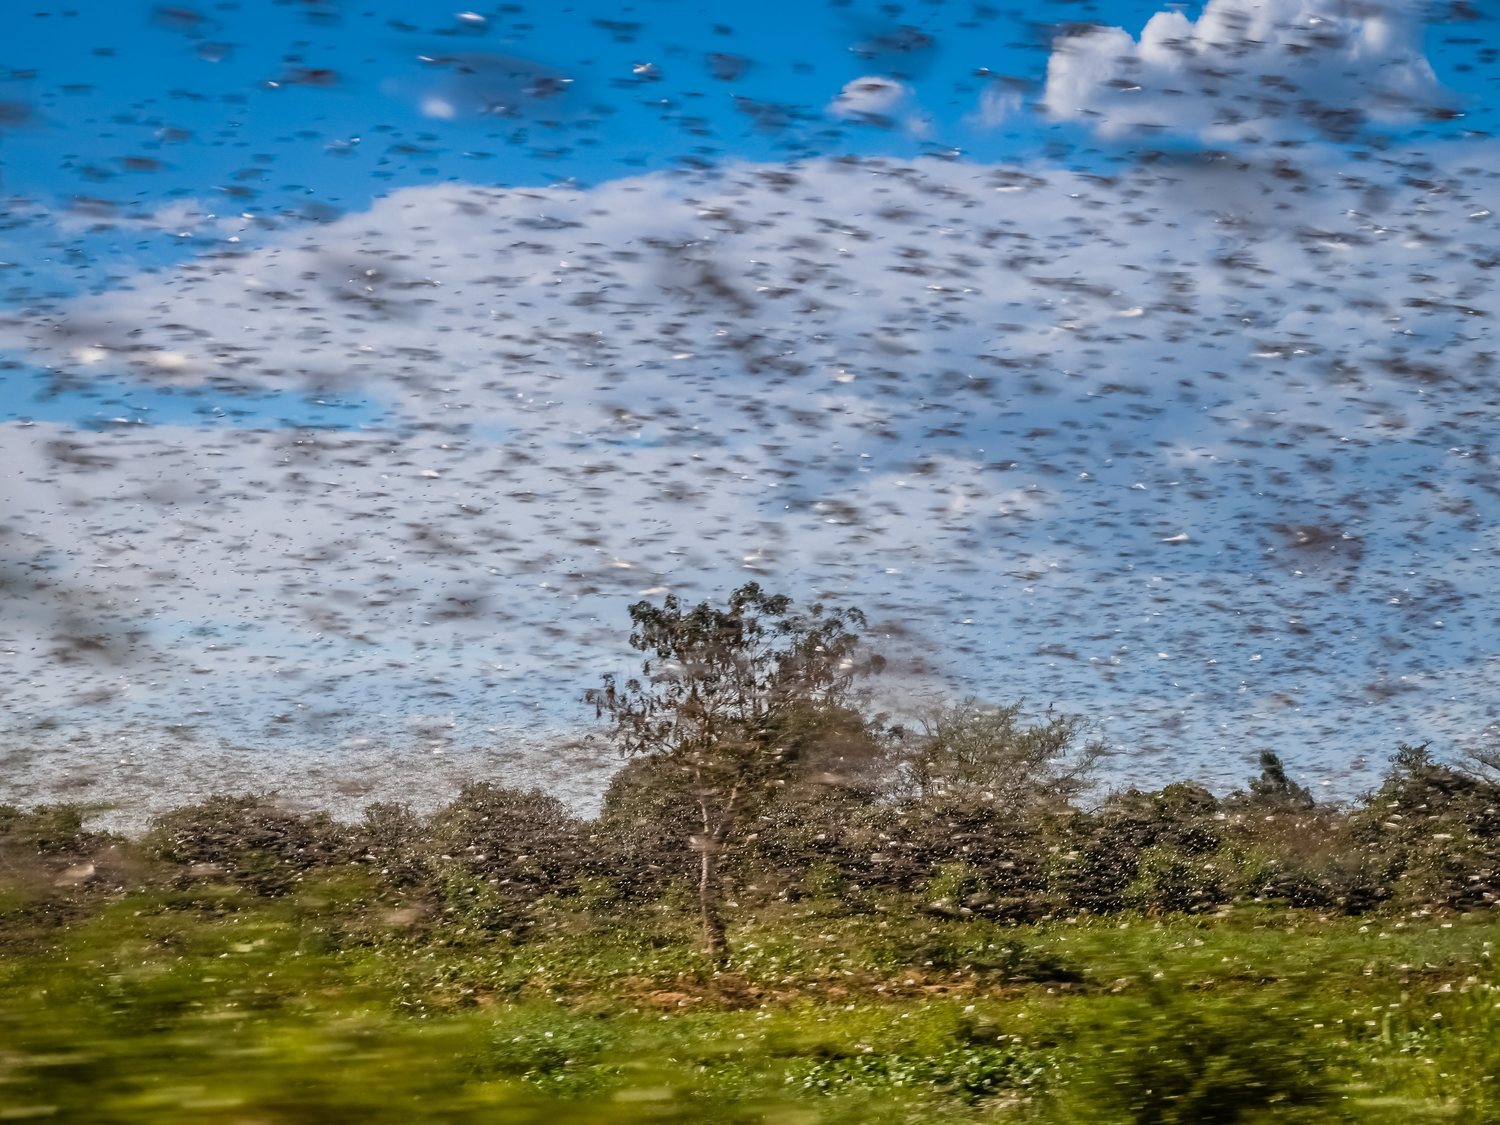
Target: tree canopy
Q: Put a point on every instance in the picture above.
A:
(727, 700)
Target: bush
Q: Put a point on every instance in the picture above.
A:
(1167, 1058)
(1169, 880)
(641, 831)
(55, 830)
(1435, 833)
(248, 841)
(1303, 858)
(926, 840)
(1096, 859)
(496, 852)
(391, 841)
(812, 837)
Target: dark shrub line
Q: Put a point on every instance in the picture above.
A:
(496, 859)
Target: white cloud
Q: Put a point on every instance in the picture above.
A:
(997, 105)
(1248, 69)
(924, 388)
(872, 99)
(182, 216)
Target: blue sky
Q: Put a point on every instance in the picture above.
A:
(365, 361)
(256, 106)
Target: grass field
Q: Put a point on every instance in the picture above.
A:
(329, 1005)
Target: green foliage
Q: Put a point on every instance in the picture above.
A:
(955, 949)
(970, 1072)
(248, 841)
(1165, 956)
(48, 830)
(958, 888)
(1434, 833)
(1273, 789)
(1169, 1058)
(1449, 1042)
(497, 853)
(555, 1052)
(733, 704)
(639, 832)
(1169, 879)
(391, 839)
(721, 691)
(318, 1004)
(822, 879)
(1139, 850)
(970, 755)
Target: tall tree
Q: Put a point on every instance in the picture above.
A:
(725, 701)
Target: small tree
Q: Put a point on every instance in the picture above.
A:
(1274, 789)
(1482, 761)
(971, 755)
(725, 701)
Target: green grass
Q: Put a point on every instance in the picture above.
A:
(335, 1004)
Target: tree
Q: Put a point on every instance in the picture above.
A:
(1483, 761)
(1274, 789)
(972, 755)
(725, 703)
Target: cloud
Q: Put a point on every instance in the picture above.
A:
(871, 96)
(176, 217)
(985, 403)
(874, 100)
(1248, 70)
(997, 105)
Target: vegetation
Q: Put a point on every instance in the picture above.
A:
(932, 924)
(732, 704)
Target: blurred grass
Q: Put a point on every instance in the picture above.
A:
(333, 1003)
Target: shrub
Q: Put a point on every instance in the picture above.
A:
(1168, 879)
(1167, 1058)
(248, 841)
(1435, 833)
(1095, 859)
(639, 833)
(390, 839)
(496, 851)
(1305, 858)
(49, 830)
(927, 839)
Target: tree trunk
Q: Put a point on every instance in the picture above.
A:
(708, 900)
